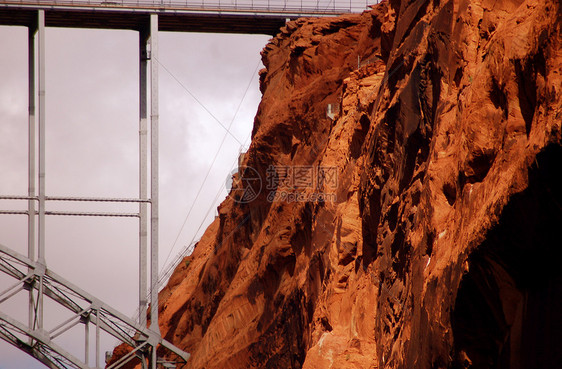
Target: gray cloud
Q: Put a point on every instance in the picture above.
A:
(92, 124)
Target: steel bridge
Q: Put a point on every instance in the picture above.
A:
(217, 16)
(30, 272)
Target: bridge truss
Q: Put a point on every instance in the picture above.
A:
(85, 309)
(31, 272)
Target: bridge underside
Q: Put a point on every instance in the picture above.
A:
(174, 21)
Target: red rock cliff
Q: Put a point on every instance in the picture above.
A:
(438, 241)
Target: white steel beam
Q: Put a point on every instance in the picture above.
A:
(43, 340)
(31, 236)
(31, 155)
(41, 87)
(154, 161)
(143, 173)
(78, 301)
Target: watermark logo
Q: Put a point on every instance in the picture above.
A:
(244, 184)
(288, 183)
(301, 183)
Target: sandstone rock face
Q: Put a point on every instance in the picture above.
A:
(437, 243)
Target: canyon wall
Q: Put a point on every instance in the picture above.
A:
(400, 204)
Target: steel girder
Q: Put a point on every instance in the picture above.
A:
(85, 309)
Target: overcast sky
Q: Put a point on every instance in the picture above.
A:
(92, 150)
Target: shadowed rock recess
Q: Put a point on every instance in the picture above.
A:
(438, 243)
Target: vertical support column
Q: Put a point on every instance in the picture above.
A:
(154, 180)
(87, 341)
(31, 158)
(144, 35)
(31, 142)
(98, 323)
(41, 220)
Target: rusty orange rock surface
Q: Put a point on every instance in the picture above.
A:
(437, 242)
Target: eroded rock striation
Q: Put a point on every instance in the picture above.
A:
(418, 228)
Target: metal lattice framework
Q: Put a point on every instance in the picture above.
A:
(31, 273)
(85, 309)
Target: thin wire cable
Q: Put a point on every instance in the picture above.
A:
(227, 131)
(327, 6)
(214, 159)
(198, 101)
(167, 271)
(216, 197)
(210, 207)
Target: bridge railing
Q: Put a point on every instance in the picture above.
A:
(289, 6)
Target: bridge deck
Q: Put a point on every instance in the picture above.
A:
(217, 16)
